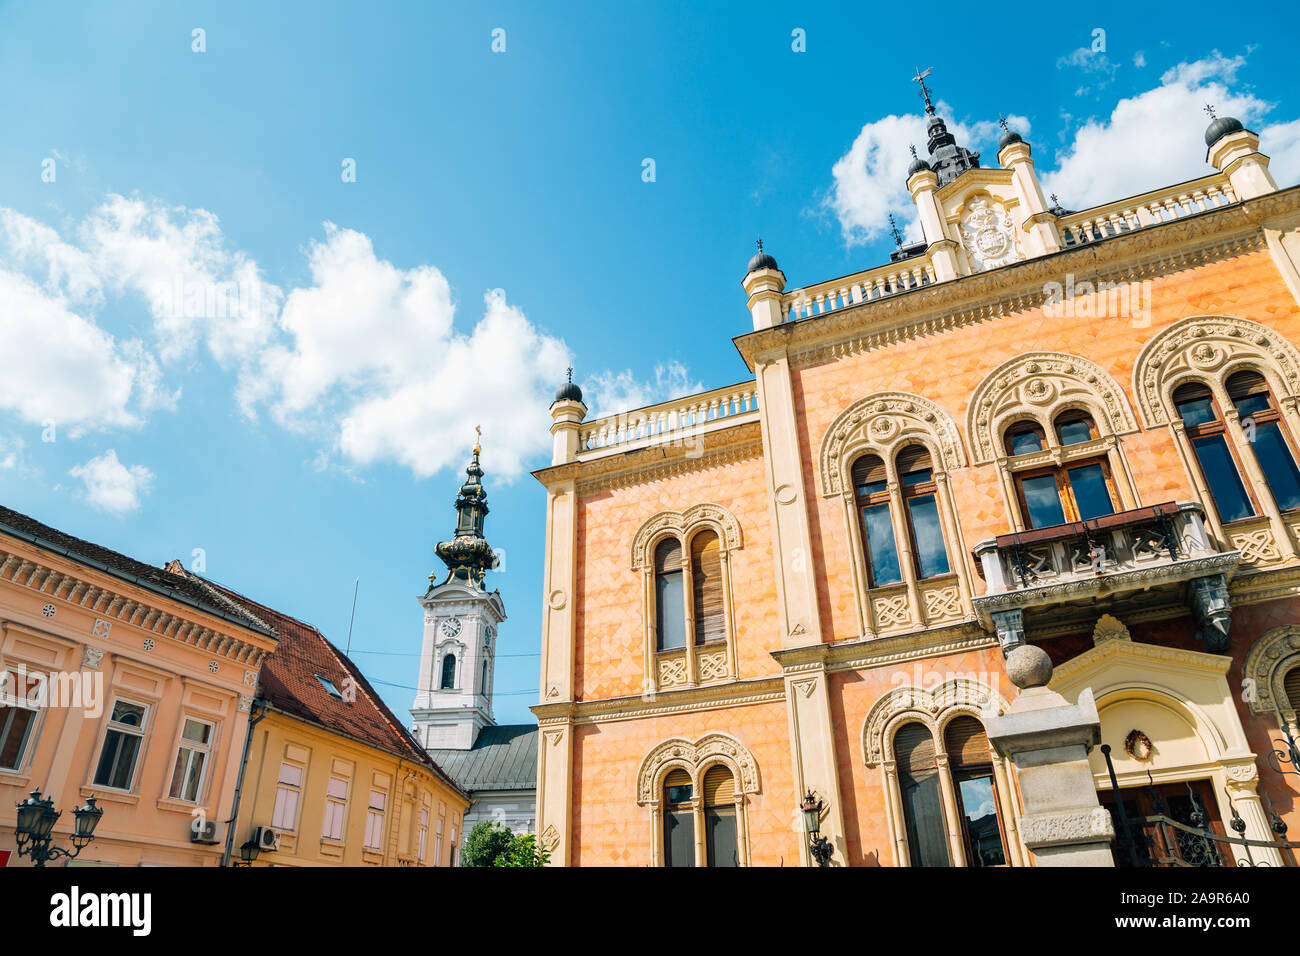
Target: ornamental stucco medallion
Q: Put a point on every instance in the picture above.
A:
(989, 235)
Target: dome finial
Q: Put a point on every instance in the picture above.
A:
(925, 91)
(568, 392)
(478, 439)
(1209, 108)
(893, 227)
(761, 261)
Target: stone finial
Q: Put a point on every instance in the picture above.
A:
(1029, 666)
(1109, 629)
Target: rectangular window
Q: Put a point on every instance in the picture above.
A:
(424, 833)
(881, 549)
(20, 699)
(191, 759)
(1091, 496)
(720, 837)
(1221, 475)
(122, 742)
(1042, 501)
(336, 808)
(980, 814)
(375, 819)
(1278, 466)
(931, 554)
(437, 843)
(671, 611)
(679, 838)
(454, 846)
(289, 789)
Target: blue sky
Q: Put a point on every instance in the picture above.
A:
(314, 428)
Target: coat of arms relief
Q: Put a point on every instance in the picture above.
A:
(989, 235)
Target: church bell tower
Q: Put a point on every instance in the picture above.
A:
(453, 700)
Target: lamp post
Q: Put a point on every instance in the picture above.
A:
(812, 820)
(35, 825)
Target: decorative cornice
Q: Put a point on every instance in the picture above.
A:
(1128, 257)
(861, 654)
(1095, 657)
(732, 694)
(107, 604)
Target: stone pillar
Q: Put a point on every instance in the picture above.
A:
(1048, 740)
(1039, 222)
(1237, 156)
(765, 287)
(566, 416)
(941, 247)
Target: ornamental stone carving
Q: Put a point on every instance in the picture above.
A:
(1039, 385)
(1273, 655)
(961, 695)
(882, 423)
(91, 657)
(682, 524)
(990, 237)
(1066, 827)
(694, 757)
(1109, 628)
(1210, 346)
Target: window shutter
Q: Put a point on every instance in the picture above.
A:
(719, 787)
(914, 751)
(1291, 684)
(668, 556)
(677, 778)
(966, 743)
(913, 458)
(706, 582)
(1244, 383)
(867, 469)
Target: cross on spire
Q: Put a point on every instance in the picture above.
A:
(913, 149)
(760, 245)
(893, 227)
(1209, 109)
(478, 439)
(1002, 121)
(570, 374)
(925, 91)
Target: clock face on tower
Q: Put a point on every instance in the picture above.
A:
(451, 627)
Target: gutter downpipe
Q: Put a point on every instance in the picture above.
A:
(239, 785)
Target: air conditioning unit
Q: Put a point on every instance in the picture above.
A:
(267, 839)
(203, 831)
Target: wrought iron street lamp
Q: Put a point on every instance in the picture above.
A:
(819, 846)
(35, 826)
(248, 853)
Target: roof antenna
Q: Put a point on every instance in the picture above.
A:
(355, 588)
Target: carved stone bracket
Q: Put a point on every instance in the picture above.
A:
(1208, 598)
(1010, 627)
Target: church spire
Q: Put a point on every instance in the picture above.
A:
(947, 159)
(468, 555)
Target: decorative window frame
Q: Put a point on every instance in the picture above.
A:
(883, 423)
(1209, 349)
(935, 709)
(686, 667)
(1273, 655)
(696, 758)
(1040, 387)
(455, 647)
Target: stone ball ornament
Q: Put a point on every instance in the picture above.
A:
(1029, 666)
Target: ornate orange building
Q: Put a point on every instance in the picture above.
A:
(1028, 488)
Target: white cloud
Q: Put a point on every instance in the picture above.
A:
(1157, 138)
(870, 180)
(11, 452)
(608, 393)
(1139, 59)
(372, 358)
(111, 486)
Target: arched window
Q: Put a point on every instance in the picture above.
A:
(706, 588)
(871, 488)
(1199, 411)
(1291, 686)
(483, 685)
(448, 672)
(918, 781)
(720, 816)
(971, 764)
(670, 598)
(679, 819)
(1262, 424)
(1075, 490)
(923, 524)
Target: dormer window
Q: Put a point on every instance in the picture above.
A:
(329, 686)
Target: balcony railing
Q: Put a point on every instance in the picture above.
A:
(874, 283)
(1148, 209)
(680, 421)
(1132, 550)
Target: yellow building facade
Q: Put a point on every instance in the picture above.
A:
(1028, 489)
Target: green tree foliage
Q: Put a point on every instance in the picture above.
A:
(485, 844)
(524, 851)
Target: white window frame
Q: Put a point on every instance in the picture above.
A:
(336, 809)
(10, 699)
(424, 833)
(113, 726)
(193, 750)
(286, 790)
(375, 820)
